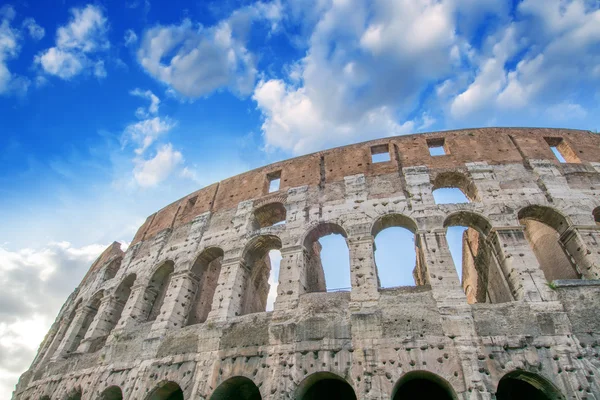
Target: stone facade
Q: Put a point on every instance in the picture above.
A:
(181, 313)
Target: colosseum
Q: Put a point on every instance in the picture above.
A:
(182, 313)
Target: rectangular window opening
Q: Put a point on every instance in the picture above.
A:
(380, 154)
(436, 147)
(274, 181)
(562, 151)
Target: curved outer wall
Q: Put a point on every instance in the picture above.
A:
(368, 336)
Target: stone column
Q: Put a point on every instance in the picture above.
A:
(292, 279)
(519, 265)
(100, 326)
(178, 301)
(73, 334)
(363, 272)
(230, 290)
(585, 253)
(133, 311)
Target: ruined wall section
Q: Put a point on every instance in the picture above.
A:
(369, 336)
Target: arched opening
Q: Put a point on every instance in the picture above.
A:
(111, 393)
(478, 268)
(206, 270)
(121, 296)
(166, 391)
(422, 385)
(112, 268)
(74, 394)
(269, 215)
(157, 290)
(596, 214)
(543, 227)
(395, 252)
(324, 386)
(236, 388)
(258, 269)
(46, 397)
(327, 259)
(453, 187)
(522, 385)
(89, 313)
(275, 260)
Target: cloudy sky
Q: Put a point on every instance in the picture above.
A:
(112, 109)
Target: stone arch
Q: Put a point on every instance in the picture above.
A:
(481, 271)
(111, 393)
(324, 386)
(314, 271)
(257, 269)
(205, 270)
(423, 385)
(523, 385)
(74, 394)
(543, 229)
(121, 296)
(396, 220)
(45, 397)
(268, 215)
(167, 390)
(596, 214)
(155, 292)
(458, 180)
(110, 271)
(89, 313)
(236, 388)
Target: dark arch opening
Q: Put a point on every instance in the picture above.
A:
(112, 393)
(422, 385)
(258, 264)
(543, 229)
(236, 388)
(46, 397)
(112, 268)
(74, 394)
(522, 385)
(90, 315)
(166, 391)
(324, 386)
(326, 259)
(269, 215)
(157, 290)
(121, 297)
(455, 180)
(596, 214)
(206, 270)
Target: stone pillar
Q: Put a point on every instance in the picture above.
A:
(441, 271)
(292, 279)
(74, 333)
(100, 326)
(178, 301)
(134, 309)
(363, 272)
(519, 265)
(585, 253)
(230, 290)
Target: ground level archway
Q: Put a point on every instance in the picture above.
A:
(523, 385)
(166, 391)
(324, 386)
(111, 393)
(422, 385)
(236, 388)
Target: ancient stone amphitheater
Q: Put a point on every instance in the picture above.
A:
(181, 314)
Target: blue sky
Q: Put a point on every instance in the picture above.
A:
(110, 110)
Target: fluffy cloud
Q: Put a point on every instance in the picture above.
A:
(9, 49)
(35, 284)
(196, 60)
(145, 132)
(77, 45)
(35, 31)
(150, 172)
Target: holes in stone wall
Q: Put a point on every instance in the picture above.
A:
(437, 147)
(206, 270)
(256, 285)
(380, 153)
(562, 151)
(156, 291)
(274, 180)
(395, 257)
(327, 259)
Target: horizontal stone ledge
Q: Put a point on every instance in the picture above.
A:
(560, 283)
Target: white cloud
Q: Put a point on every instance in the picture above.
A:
(145, 132)
(151, 172)
(35, 31)
(9, 49)
(35, 284)
(77, 45)
(130, 38)
(154, 100)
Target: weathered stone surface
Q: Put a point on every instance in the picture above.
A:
(181, 312)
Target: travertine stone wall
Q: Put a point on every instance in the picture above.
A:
(183, 307)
